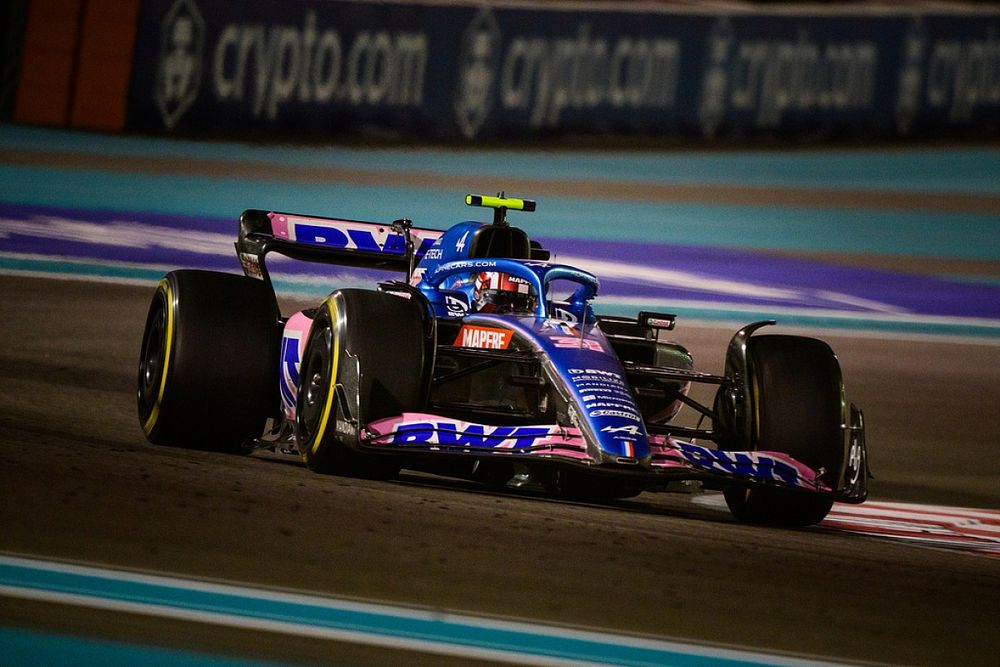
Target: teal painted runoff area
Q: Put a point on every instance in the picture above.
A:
(820, 229)
(26, 648)
(969, 170)
(900, 233)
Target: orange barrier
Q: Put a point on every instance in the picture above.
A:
(77, 63)
(48, 62)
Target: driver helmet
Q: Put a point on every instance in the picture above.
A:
(498, 292)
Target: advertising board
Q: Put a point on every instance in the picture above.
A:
(465, 72)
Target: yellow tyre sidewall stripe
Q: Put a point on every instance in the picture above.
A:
(150, 423)
(331, 306)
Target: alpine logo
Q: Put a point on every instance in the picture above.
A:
(630, 429)
(486, 338)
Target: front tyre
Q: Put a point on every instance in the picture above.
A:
(208, 364)
(798, 409)
(367, 358)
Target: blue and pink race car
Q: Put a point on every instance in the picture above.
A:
(487, 362)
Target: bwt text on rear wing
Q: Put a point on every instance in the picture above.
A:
(393, 247)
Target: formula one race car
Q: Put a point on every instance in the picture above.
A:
(487, 362)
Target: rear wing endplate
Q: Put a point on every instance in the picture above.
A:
(371, 245)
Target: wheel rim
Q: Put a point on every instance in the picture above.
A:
(151, 360)
(315, 384)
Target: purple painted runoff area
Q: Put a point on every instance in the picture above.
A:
(644, 273)
(809, 280)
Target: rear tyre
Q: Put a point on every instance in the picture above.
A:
(208, 364)
(387, 335)
(798, 410)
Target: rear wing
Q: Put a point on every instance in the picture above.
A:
(371, 245)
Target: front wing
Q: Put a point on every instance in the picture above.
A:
(670, 459)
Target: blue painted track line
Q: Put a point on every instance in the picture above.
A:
(357, 622)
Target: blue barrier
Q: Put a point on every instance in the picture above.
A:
(474, 71)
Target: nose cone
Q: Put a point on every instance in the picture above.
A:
(594, 376)
(608, 408)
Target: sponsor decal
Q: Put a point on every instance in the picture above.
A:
(602, 385)
(599, 386)
(464, 434)
(614, 413)
(548, 76)
(178, 75)
(616, 405)
(609, 393)
(604, 394)
(351, 235)
(504, 281)
(753, 465)
(471, 264)
(855, 461)
(434, 253)
(572, 341)
(269, 66)
(595, 372)
(486, 338)
(771, 78)
(455, 305)
(251, 265)
(963, 75)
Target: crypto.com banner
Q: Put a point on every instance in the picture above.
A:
(466, 71)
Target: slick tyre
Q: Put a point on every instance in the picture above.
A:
(386, 336)
(797, 399)
(208, 364)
